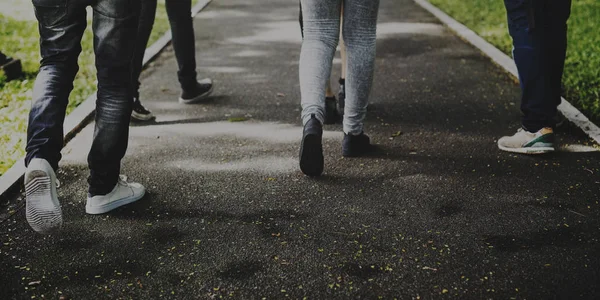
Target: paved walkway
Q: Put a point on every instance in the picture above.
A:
(438, 213)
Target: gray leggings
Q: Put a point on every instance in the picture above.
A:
(321, 34)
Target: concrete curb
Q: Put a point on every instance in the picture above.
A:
(569, 111)
(81, 116)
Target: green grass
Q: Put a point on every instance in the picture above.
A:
(20, 39)
(582, 67)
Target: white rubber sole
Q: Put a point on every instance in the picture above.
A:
(102, 209)
(140, 117)
(43, 211)
(198, 98)
(528, 150)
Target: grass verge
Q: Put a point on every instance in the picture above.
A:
(582, 67)
(20, 39)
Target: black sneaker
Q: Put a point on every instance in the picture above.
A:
(356, 145)
(139, 112)
(311, 149)
(201, 90)
(342, 96)
(331, 113)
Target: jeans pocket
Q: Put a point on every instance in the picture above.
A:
(50, 12)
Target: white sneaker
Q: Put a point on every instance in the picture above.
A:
(123, 193)
(527, 142)
(42, 211)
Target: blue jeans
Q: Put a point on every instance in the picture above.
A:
(539, 32)
(182, 31)
(61, 26)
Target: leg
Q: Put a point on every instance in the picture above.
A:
(115, 25)
(182, 29)
(321, 34)
(328, 91)
(342, 80)
(146, 22)
(530, 27)
(555, 39)
(359, 31)
(344, 58)
(61, 29)
(539, 31)
(343, 48)
(300, 20)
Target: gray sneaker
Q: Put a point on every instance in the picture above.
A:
(527, 142)
(42, 208)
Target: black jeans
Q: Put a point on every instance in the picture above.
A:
(182, 30)
(61, 26)
(539, 32)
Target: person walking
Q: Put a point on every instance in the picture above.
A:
(182, 30)
(539, 32)
(321, 20)
(61, 27)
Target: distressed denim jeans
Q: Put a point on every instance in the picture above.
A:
(61, 27)
(321, 20)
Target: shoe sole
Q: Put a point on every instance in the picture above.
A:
(311, 155)
(141, 117)
(350, 153)
(527, 150)
(197, 98)
(97, 210)
(42, 211)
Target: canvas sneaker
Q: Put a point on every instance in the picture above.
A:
(140, 112)
(311, 149)
(200, 91)
(123, 193)
(356, 145)
(527, 142)
(42, 209)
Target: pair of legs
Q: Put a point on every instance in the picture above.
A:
(182, 31)
(539, 32)
(332, 112)
(321, 35)
(61, 27)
